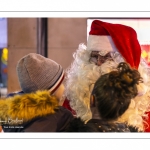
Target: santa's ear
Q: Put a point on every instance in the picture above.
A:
(92, 101)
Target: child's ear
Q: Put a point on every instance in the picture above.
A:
(92, 101)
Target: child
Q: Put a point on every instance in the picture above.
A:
(38, 108)
(110, 98)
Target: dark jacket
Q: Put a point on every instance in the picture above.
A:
(97, 125)
(34, 112)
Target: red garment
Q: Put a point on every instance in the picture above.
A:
(148, 122)
(67, 106)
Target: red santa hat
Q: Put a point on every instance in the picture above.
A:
(107, 37)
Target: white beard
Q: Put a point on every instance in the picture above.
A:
(82, 75)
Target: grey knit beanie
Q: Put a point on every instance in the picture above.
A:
(36, 72)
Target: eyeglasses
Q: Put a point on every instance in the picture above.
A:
(98, 59)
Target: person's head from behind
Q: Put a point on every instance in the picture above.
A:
(35, 72)
(112, 92)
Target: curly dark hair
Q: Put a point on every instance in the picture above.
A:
(113, 91)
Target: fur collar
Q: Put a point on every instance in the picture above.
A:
(28, 106)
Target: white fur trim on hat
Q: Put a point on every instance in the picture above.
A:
(103, 44)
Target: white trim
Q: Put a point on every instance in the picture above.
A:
(56, 84)
(104, 44)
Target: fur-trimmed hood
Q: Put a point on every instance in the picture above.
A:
(25, 107)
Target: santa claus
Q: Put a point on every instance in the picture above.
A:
(108, 44)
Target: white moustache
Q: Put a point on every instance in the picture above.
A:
(107, 67)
